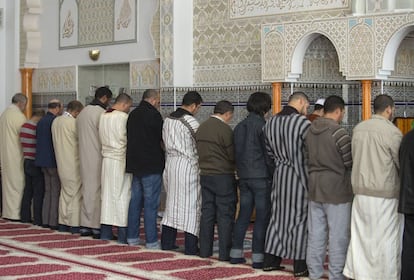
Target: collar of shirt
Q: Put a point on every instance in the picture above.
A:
(67, 114)
(217, 117)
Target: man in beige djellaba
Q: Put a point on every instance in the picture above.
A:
(90, 155)
(65, 143)
(116, 184)
(11, 157)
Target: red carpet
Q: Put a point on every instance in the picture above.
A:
(33, 253)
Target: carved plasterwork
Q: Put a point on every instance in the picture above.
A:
(62, 79)
(226, 75)
(361, 44)
(273, 58)
(97, 22)
(404, 63)
(361, 51)
(155, 31)
(243, 8)
(321, 62)
(145, 74)
(167, 43)
(225, 51)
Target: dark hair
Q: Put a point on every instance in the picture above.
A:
(19, 98)
(223, 107)
(53, 105)
(332, 103)
(123, 98)
(38, 112)
(192, 97)
(298, 95)
(317, 107)
(381, 103)
(259, 103)
(74, 106)
(150, 93)
(103, 91)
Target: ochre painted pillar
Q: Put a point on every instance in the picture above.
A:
(26, 74)
(277, 97)
(366, 99)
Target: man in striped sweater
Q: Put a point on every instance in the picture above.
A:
(330, 191)
(34, 182)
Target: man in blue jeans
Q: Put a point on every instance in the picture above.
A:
(255, 175)
(145, 160)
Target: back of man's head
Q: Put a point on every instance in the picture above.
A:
(19, 98)
(38, 112)
(192, 97)
(382, 102)
(223, 107)
(150, 93)
(332, 103)
(54, 103)
(297, 95)
(74, 106)
(259, 103)
(123, 98)
(103, 91)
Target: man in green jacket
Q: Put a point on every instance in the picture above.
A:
(218, 190)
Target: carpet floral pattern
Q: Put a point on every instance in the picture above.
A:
(34, 253)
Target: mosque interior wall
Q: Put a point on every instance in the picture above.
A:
(227, 63)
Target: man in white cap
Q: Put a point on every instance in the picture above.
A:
(318, 110)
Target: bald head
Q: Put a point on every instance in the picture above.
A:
(300, 101)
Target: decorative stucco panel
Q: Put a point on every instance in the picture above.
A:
(361, 50)
(167, 43)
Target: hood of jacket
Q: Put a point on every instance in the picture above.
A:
(320, 125)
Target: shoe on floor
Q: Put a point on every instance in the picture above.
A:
(272, 262)
(300, 269)
(96, 236)
(257, 265)
(237, 260)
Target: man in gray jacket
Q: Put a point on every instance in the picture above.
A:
(375, 245)
(330, 192)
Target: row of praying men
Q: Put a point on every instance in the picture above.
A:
(314, 187)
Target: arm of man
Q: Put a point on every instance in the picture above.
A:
(394, 146)
(343, 142)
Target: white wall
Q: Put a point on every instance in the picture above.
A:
(9, 52)
(51, 56)
(183, 43)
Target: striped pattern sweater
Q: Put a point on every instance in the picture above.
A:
(28, 139)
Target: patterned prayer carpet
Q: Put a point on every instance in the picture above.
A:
(33, 253)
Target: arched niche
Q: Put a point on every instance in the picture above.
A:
(303, 46)
(390, 52)
(321, 63)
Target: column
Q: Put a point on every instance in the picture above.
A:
(366, 99)
(26, 74)
(277, 97)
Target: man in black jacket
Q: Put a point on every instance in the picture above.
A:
(145, 160)
(406, 205)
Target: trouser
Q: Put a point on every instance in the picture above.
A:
(34, 189)
(219, 198)
(254, 193)
(106, 233)
(169, 236)
(407, 259)
(50, 211)
(328, 222)
(145, 193)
